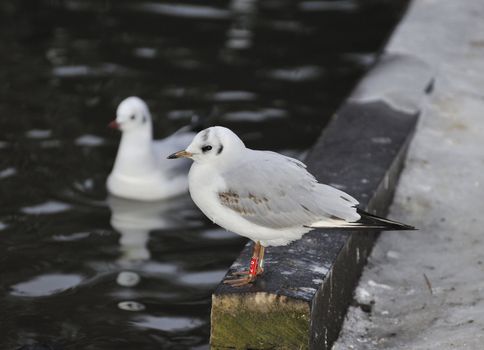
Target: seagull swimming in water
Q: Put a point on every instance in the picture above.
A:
(265, 196)
(139, 171)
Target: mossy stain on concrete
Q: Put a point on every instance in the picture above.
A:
(259, 321)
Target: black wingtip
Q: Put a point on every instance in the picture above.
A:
(369, 220)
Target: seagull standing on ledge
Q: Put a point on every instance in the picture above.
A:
(265, 196)
(140, 172)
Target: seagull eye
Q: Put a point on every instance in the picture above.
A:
(132, 117)
(206, 148)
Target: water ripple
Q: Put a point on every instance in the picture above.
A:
(182, 10)
(46, 285)
(168, 323)
(11, 171)
(49, 207)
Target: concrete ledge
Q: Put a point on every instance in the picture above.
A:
(301, 300)
(423, 290)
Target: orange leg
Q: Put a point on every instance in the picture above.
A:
(255, 268)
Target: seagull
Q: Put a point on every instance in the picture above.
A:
(139, 171)
(265, 196)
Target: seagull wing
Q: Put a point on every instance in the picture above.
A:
(276, 191)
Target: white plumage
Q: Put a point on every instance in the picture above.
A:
(262, 195)
(265, 196)
(140, 171)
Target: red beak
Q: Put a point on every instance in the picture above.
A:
(113, 125)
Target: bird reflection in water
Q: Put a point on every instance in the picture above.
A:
(134, 221)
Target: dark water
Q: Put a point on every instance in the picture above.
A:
(83, 272)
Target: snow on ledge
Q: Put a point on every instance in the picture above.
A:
(398, 80)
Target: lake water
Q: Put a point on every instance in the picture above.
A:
(79, 270)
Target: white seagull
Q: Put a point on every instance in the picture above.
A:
(265, 196)
(139, 171)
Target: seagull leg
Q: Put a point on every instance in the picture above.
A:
(255, 268)
(260, 268)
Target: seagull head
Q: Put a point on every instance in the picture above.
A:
(212, 145)
(132, 113)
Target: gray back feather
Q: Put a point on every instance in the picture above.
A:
(276, 191)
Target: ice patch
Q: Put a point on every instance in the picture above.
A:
(50, 207)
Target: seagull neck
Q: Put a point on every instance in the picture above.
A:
(137, 138)
(135, 155)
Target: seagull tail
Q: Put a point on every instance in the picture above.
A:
(367, 221)
(371, 221)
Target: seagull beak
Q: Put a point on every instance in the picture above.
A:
(113, 125)
(180, 154)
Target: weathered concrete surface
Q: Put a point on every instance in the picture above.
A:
(424, 289)
(301, 299)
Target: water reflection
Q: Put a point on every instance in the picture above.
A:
(169, 324)
(10, 171)
(46, 285)
(134, 220)
(181, 10)
(49, 207)
(344, 5)
(240, 33)
(89, 140)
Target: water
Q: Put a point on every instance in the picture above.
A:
(83, 271)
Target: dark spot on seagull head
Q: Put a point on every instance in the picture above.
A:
(220, 149)
(205, 134)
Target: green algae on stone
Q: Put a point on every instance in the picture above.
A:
(259, 321)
